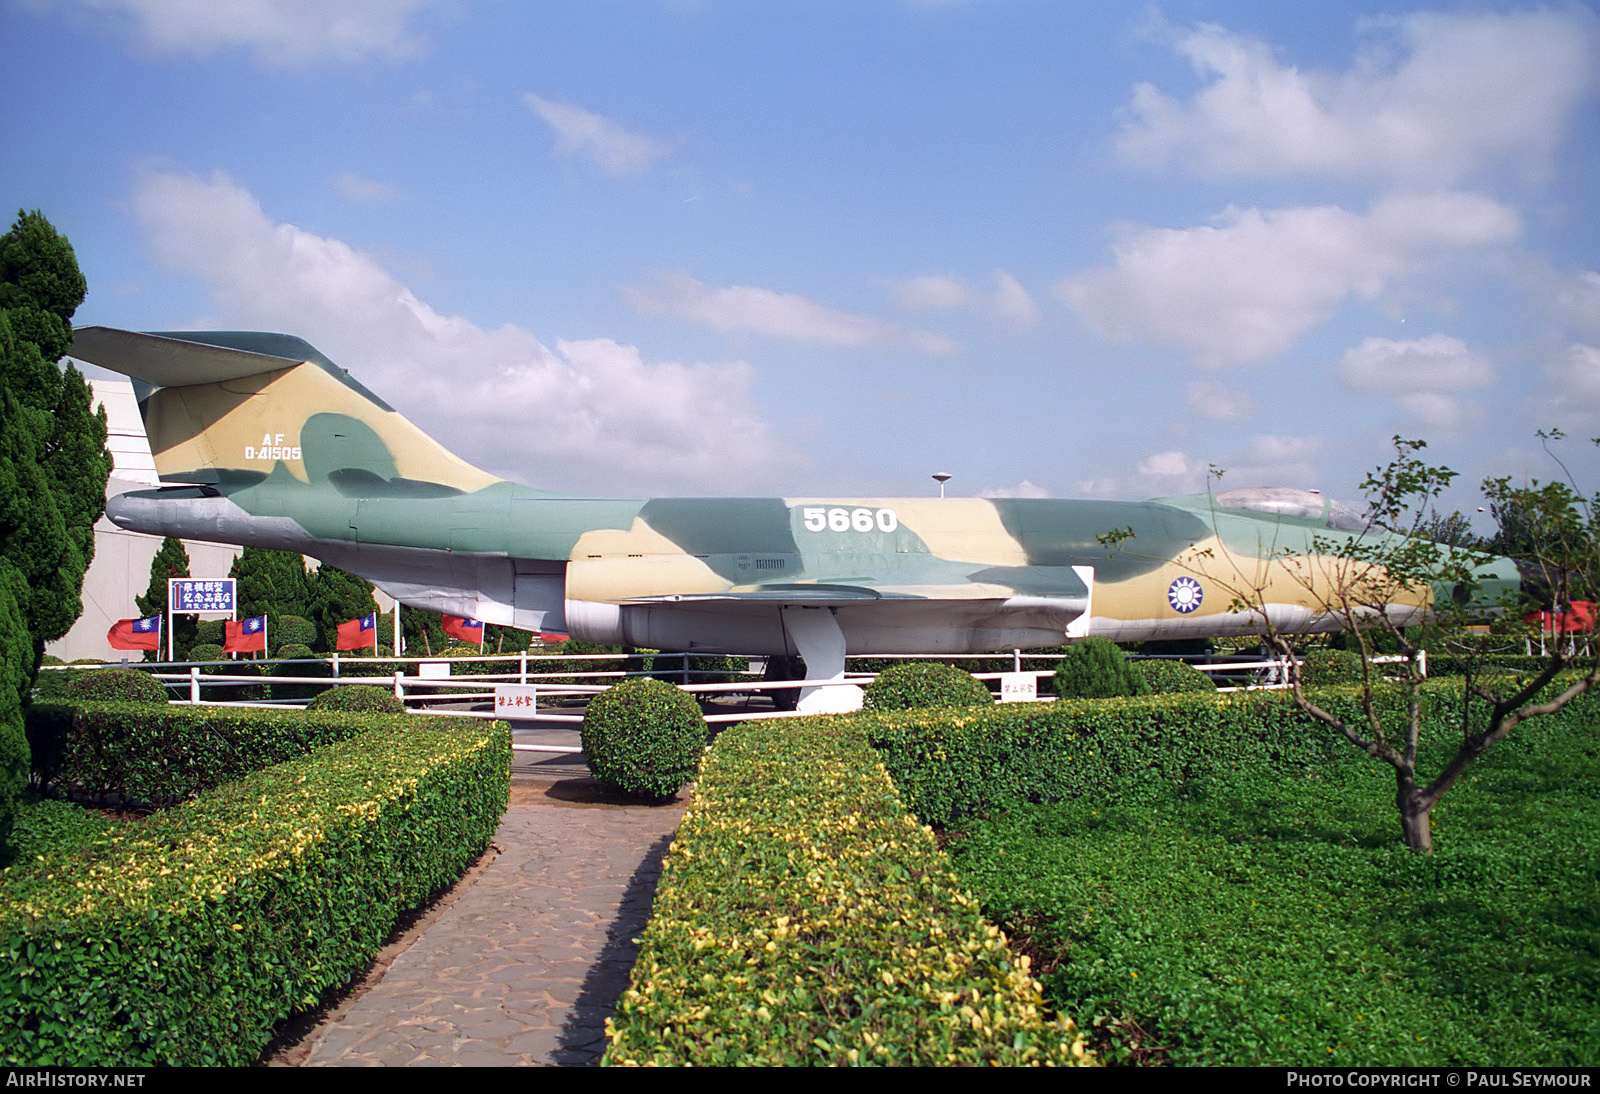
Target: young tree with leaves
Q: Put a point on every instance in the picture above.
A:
(1372, 585)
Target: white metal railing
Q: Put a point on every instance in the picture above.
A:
(548, 687)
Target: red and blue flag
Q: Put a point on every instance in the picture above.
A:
(135, 634)
(358, 634)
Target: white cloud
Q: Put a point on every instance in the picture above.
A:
(282, 33)
(1023, 489)
(1219, 402)
(1243, 290)
(1571, 299)
(588, 137)
(1274, 460)
(1266, 460)
(1421, 374)
(591, 414)
(1438, 98)
(1437, 362)
(748, 309)
(1007, 305)
(1571, 397)
(1166, 474)
(365, 190)
(931, 292)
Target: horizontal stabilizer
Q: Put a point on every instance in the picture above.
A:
(172, 361)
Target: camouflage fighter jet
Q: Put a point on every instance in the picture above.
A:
(269, 443)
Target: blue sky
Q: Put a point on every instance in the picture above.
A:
(707, 246)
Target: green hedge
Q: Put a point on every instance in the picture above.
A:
(140, 752)
(803, 917)
(185, 939)
(949, 764)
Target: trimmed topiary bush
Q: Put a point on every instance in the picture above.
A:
(1322, 667)
(1172, 677)
(207, 652)
(918, 684)
(1096, 669)
(294, 651)
(358, 699)
(293, 630)
(115, 686)
(298, 661)
(644, 738)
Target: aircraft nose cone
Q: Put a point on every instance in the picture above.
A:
(133, 513)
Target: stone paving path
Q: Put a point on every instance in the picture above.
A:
(524, 965)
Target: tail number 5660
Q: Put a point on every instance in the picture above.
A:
(821, 518)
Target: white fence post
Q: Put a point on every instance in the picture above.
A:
(194, 683)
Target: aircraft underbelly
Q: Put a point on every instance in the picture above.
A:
(869, 627)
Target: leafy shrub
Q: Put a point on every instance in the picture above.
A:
(1096, 669)
(293, 630)
(207, 632)
(183, 940)
(460, 651)
(47, 826)
(1171, 677)
(804, 918)
(920, 684)
(358, 699)
(116, 686)
(296, 651)
(309, 664)
(644, 738)
(1322, 667)
(207, 652)
(50, 686)
(135, 751)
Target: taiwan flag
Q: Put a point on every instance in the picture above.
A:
(136, 634)
(246, 635)
(358, 634)
(465, 630)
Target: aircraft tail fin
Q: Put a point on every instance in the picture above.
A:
(226, 407)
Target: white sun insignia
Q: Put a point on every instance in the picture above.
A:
(1184, 595)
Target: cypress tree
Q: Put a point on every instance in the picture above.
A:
(337, 597)
(271, 583)
(53, 471)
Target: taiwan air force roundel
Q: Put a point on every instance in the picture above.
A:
(1184, 595)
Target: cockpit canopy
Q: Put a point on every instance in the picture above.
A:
(1283, 501)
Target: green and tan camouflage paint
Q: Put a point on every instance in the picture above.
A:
(286, 450)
